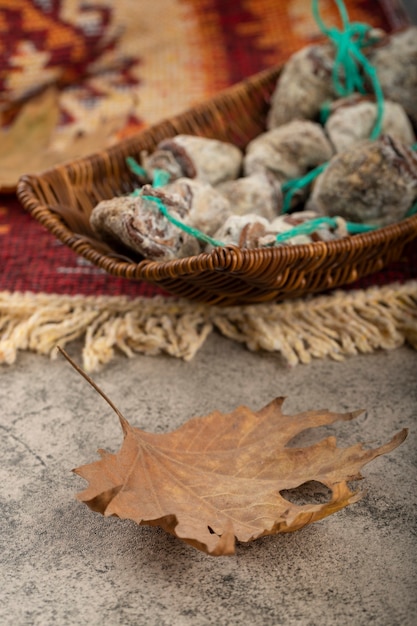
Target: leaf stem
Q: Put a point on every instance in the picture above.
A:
(122, 419)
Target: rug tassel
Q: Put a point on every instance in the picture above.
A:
(336, 325)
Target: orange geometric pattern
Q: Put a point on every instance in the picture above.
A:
(44, 42)
(35, 25)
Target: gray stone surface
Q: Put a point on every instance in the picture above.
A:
(61, 564)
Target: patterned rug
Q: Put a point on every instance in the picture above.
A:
(136, 62)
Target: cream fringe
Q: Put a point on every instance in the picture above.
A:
(335, 325)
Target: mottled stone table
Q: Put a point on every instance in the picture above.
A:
(61, 564)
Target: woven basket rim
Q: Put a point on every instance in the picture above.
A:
(229, 257)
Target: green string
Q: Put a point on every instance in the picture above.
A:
(160, 178)
(412, 210)
(354, 228)
(190, 230)
(307, 228)
(348, 43)
(134, 167)
(291, 186)
(325, 110)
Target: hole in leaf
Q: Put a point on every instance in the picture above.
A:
(311, 492)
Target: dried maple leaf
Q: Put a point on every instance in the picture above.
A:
(35, 142)
(220, 477)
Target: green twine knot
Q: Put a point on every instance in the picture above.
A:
(350, 59)
(161, 178)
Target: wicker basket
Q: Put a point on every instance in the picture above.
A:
(62, 199)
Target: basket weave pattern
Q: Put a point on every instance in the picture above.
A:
(63, 198)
